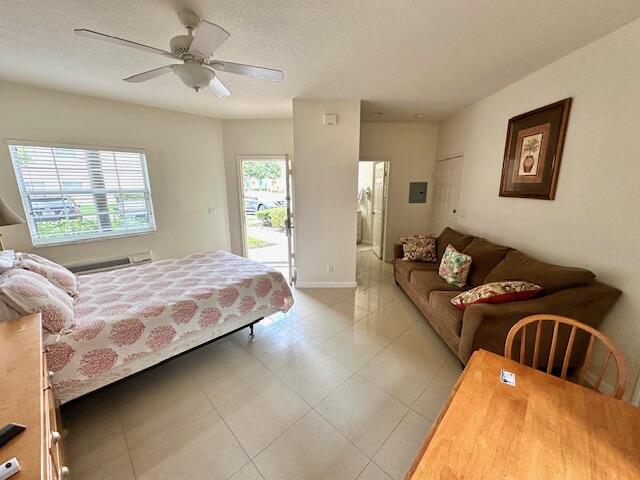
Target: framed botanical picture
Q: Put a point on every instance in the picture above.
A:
(533, 150)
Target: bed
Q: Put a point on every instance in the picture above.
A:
(128, 320)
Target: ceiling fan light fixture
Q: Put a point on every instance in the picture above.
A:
(194, 75)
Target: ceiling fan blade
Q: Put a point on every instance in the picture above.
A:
(219, 88)
(156, 72)
(248, 70)
(121, 41)
(208, 38)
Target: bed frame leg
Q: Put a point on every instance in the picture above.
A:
(251, 335)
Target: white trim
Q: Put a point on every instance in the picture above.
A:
(326, 284)
(79, 146)
(94, 239)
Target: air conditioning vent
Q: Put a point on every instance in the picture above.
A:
(103, 265)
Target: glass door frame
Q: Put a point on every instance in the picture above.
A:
(289, 222)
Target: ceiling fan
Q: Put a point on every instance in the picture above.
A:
(199, 67)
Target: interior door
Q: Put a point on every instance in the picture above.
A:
(378, 208)
(446, 193)
(289, 221)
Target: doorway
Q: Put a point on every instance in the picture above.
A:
(372, 203)
(447, 180)
(267, 211)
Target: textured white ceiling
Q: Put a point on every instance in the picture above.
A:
(401, 57)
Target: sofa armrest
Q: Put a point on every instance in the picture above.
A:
(398, 251)
(486, 325)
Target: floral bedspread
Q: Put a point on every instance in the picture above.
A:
(124, 315)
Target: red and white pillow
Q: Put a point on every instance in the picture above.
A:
(58, 275)
(497, 292)
(27, 292)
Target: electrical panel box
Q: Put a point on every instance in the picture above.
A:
(418, 192)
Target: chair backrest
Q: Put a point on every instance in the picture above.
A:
(613, 351)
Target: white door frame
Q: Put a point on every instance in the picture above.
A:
(432, 195)
(385, 203)
(243, 215)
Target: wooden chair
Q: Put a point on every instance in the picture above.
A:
(621, 379)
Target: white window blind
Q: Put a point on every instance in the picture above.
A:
(73, 194)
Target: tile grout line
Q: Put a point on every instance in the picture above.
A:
(344, 435)
(126, 442)
(223, 421)
(281, 433)
(311, 407)
(428, 385)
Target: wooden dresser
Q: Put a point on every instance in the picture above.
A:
(26, 398)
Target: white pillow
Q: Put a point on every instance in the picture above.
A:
(7, 260)
(7, 313)
(27, 292)
(58, 275)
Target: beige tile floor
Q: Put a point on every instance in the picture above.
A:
(344, 386)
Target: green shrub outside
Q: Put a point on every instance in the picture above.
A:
(273, 217)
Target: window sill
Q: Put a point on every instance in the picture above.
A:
(92, 239)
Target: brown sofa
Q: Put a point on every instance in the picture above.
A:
(571, 292)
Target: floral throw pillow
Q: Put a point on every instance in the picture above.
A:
(419, 248)
(497, 292)
(60, 276)
(27, 292)
(454, 267)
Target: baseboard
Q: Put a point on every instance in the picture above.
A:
(326, 284)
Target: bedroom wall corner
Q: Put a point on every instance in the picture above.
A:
(184, 156)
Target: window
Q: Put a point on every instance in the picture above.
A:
(73, 194)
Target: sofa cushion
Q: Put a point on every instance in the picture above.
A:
(404, 269)
(451, 237)
(451, 316)
(485, 256)
(426, 282)
(518, 266)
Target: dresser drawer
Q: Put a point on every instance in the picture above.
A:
(25, 375)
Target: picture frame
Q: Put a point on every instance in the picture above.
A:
(533, 151)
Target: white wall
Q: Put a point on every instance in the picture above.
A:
(325, 177)
(184, 157)
(594, 220)
(250, 137)
(410, 149)
(365, 202)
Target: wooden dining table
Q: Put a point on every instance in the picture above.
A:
(543, 428)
